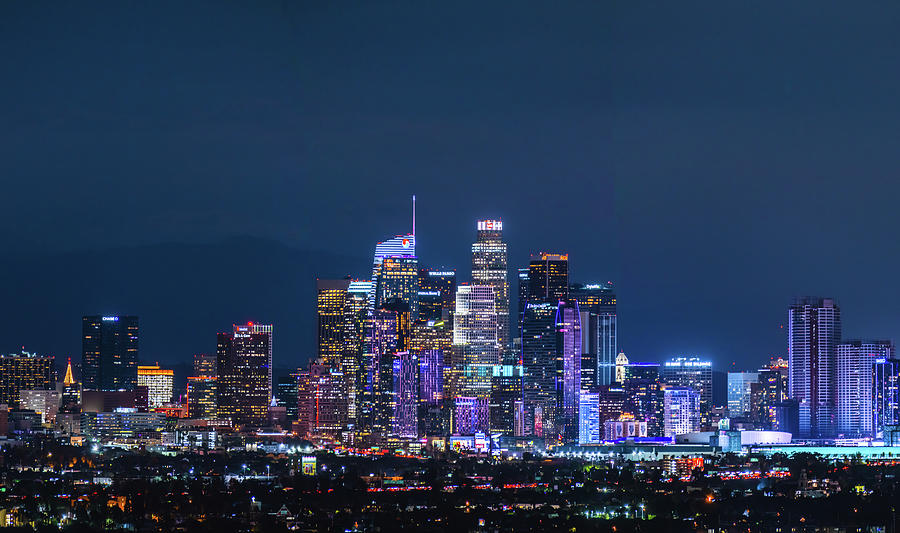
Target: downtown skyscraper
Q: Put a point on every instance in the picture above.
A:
(814, 331)
(490, 268)
(855, 362)
(599, 345)
(243, 360)
(476, 351)
(109, 352)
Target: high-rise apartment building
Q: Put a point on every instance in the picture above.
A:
(681, 411)
(244, 369)
(159, 382)
(24, 371)
(490, 268)
(814, 331)
(855, 363)
(109, 352)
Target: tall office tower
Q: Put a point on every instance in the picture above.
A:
(159, 383)
(437, 294)
(331, 298)
(286, 391)
(690, 372)
(432, 343)
(643, 399)
(490, 268)
(24, 371)
(568, 364)
(405, 418)
(539, 347)
(390, 337)
(548, 278)
(597, 304)
(261, 329)
(855, 360)
(204, 365)
(322, 403)
(399, 246)
(885, 395)
(523, 299)
(355, 358)
(506, 399)
(476, 348)
(739, 393)
(589, 418)
(399, 278)
(681, 411)
(202, 401)
(243, 369)
(814, 331)
(109, 352)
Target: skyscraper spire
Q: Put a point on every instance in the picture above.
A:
(414, 216)
(68, 380)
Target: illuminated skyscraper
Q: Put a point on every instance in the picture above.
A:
(539, 349)
(243, 360)
(390, 337)
(202, 397)
(690, 372)
(589, 426)
(437, 294)
(548, 278)
(814, 331)
(322, 402)
(71, 391)
(855, 363)
(597, 305)
(405, 419)
(399, 247)
(568, 355)
(432, 343)
(354, 352)
(331, 298)
(286, 392)
(261, 329)
(522, 277)
(739, 392)
(109, 352)
(159, 383)
(490, 268)
(24, 371)
(507, 408)
(476, 348)
(885, 395)
(768, 393)
(681, 411)
(399, 279)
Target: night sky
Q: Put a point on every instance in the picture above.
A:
(200, 164)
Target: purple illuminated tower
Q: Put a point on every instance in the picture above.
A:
(404, 422)
(568, 338)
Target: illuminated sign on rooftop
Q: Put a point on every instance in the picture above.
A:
(110, 319)
(490, 225)
(441, 273)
